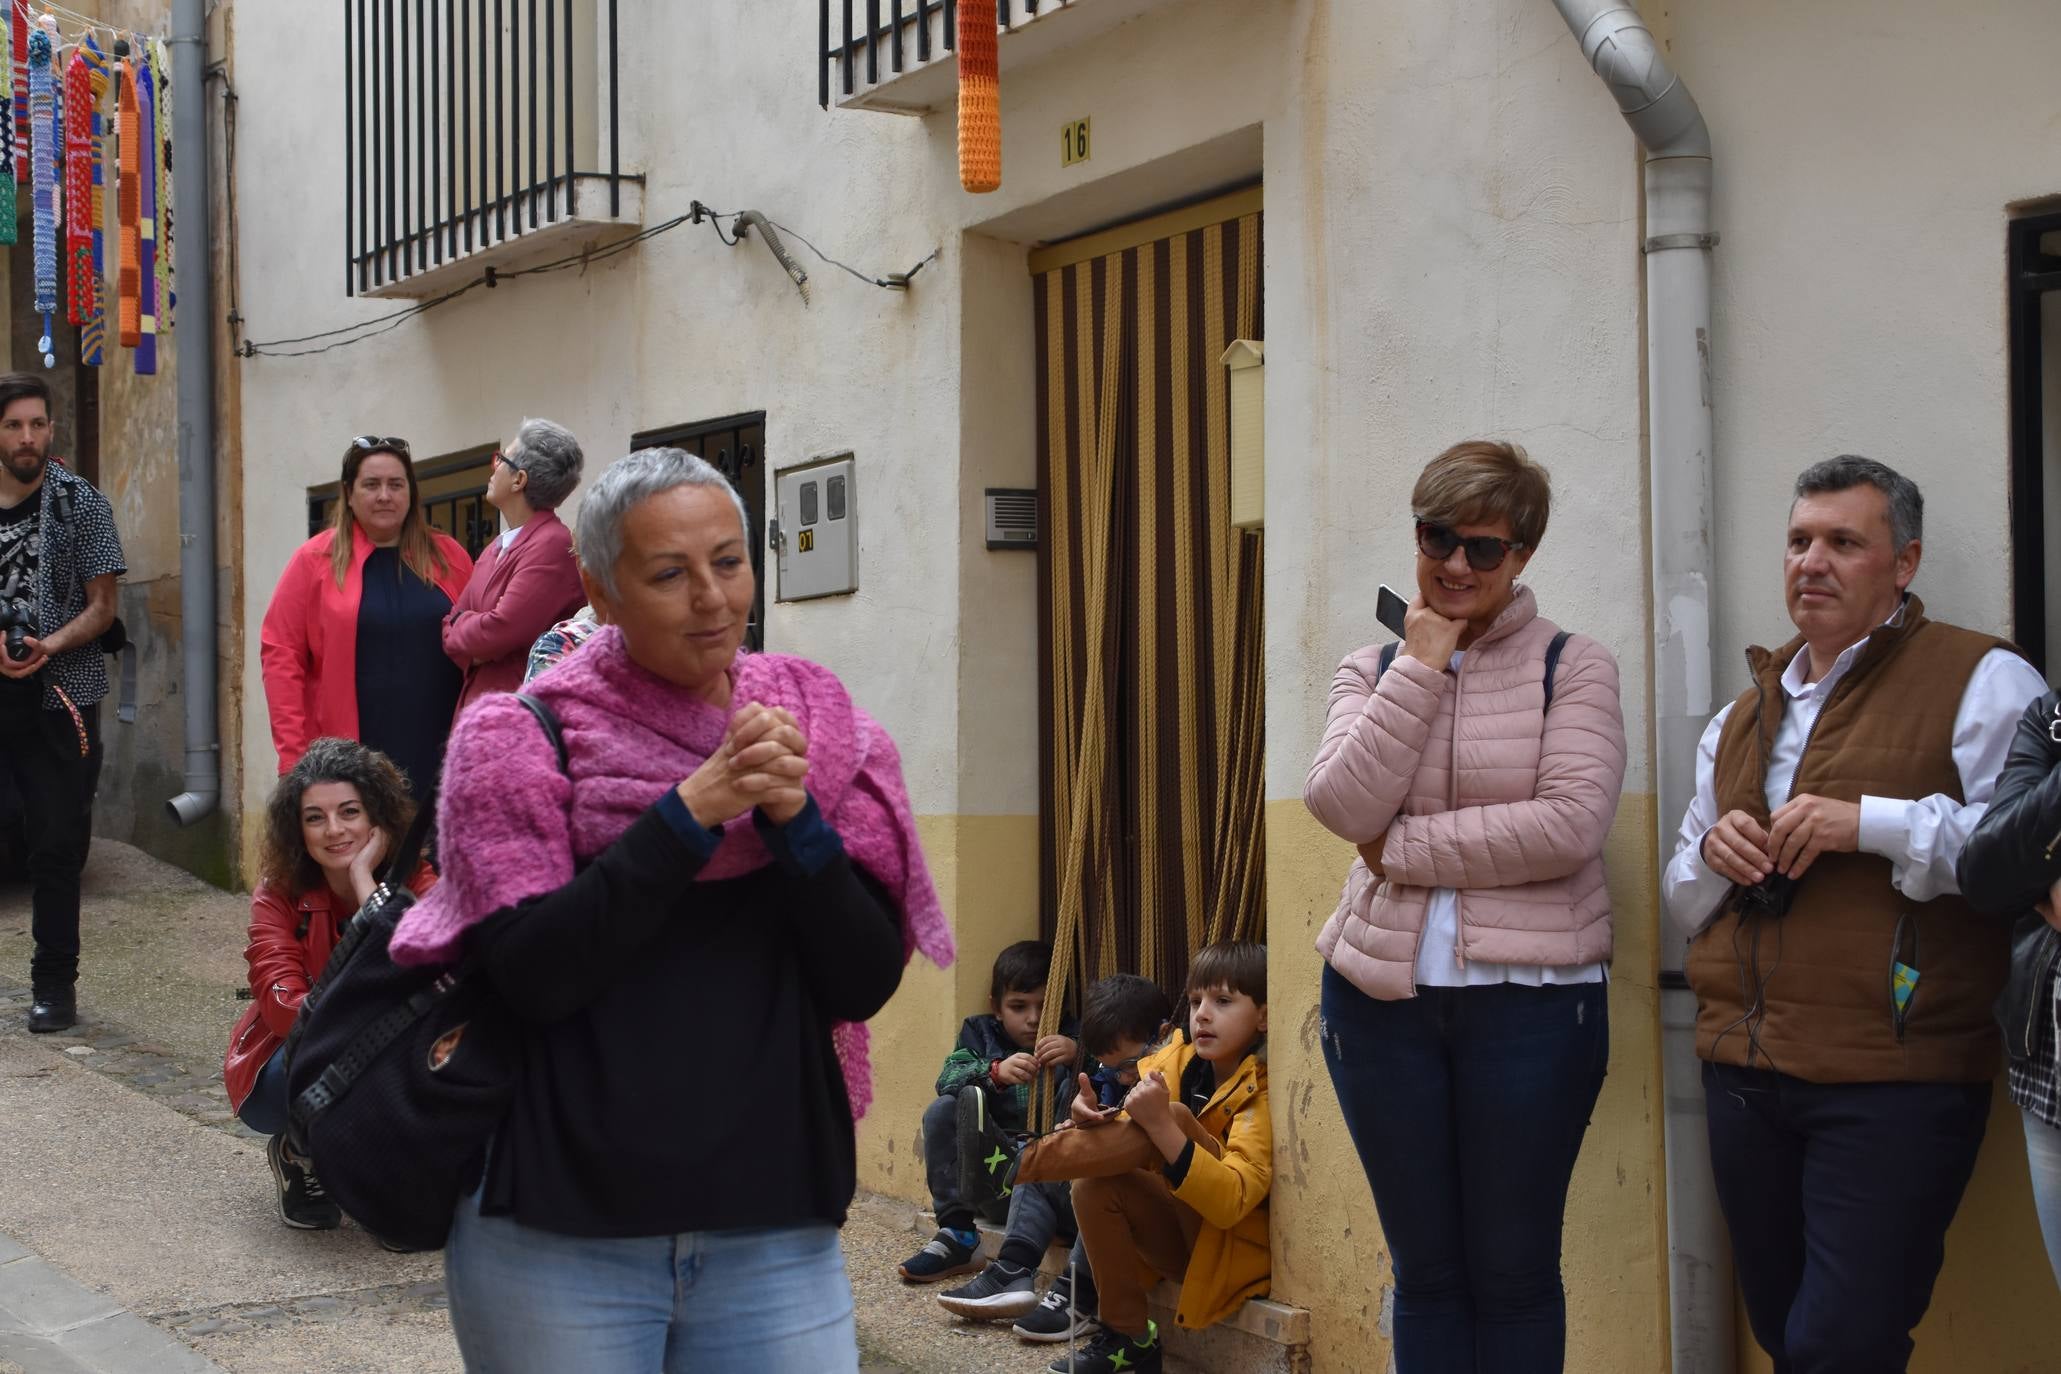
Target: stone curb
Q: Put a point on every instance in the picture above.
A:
(50, 1323)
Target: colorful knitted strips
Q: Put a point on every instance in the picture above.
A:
(146, 217)
(980, 98)
(9, 163)
(78, 187)
(161, 65)
(93, 334)
(19, 53)
(43, 182)
(129, 209)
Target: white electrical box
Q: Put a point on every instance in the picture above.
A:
(816, 531)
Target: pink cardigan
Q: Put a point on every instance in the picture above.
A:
(309, 641)
(514, 596)
(1476, 790)
(511, 825)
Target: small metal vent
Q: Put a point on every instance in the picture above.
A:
(1012, 518)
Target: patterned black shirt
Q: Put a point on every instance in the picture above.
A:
(78, 542)
(2033, 1082)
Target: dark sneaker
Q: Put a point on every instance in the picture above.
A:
(302, 1202)
(1054, 1318)
(54, 1009)
(997, 1292)
(987, 1156)
(1109, 1353)
(945, 1257)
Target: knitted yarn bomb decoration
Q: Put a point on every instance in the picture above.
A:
(43, 182)
(10, 162)
(161, 67)
(78, 187)
(93, 334)
(18, 30)
(146, 218)
(128, 203)
(980, 98)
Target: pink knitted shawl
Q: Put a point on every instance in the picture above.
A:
(510, 825)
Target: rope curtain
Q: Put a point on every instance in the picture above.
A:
(1152, 719)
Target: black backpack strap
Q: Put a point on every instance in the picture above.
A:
(1553, 661)
(408, 857)
(549, 722)
(1387, 657)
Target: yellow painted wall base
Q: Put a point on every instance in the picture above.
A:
(1328, 1252)
(986, 870)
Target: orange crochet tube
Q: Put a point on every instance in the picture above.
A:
(980, 98)
(129, 206)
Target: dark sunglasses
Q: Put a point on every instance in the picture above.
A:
(1485, 552)
(373, 443)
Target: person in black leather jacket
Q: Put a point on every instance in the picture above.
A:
(2011, 866)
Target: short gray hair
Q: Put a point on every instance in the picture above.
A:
(629, 483)
(1850, 470)
(552, 458)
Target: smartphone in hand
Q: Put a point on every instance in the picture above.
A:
(1390, 608)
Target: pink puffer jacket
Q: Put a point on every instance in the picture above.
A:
(1477, 790)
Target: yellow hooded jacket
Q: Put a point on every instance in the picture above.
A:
(1233, 1258)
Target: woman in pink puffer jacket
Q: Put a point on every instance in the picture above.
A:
(1464, 1015)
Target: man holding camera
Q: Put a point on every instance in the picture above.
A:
(59, 557)
(1843, 987)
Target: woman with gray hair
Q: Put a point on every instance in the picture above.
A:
(691, 920)
(527, 579)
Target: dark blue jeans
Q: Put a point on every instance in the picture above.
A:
(1468, 1107)
(264, 1111)
(1838, 1197)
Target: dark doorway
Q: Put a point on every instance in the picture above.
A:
(2035, 325)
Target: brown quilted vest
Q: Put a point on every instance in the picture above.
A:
(1810, 994)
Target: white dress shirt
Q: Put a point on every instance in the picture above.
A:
(508, 537)
(1438, 949)
(1922, 839)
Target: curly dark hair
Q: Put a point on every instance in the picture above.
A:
(284, 860)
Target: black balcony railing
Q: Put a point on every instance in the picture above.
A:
(470, 122)
(857, 32)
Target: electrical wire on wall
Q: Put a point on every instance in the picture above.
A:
(742, 225)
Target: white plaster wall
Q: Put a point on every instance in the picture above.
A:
(1866, 151)
(1452, 249)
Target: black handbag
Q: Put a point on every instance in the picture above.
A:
(397, 1078)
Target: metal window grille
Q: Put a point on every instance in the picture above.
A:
(463, 126)
(856, 32)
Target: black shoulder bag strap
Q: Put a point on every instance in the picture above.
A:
(1553, 649)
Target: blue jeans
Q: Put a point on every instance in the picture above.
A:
(525, 1301)
(2043, 1155)
(264, 1111)
(1468, 1107)
(1838, 1197)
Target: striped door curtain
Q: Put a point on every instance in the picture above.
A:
(1151, 705)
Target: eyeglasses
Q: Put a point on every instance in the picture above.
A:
(373, 443)
(506, 461)
(1485, 552)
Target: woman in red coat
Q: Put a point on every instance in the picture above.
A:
(331, 821)
(352, 644)
(527, 580)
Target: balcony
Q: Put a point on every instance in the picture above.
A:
(897, 55)
(479, 134)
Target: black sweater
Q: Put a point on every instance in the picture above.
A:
(678, 1069)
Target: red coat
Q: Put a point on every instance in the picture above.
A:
(309, 643)
(514, 596)
(283, 963)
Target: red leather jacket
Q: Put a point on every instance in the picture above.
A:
(290, 941)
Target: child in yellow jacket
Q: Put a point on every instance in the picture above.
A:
(1202, 1216)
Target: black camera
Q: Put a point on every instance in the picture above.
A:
(17, 619)
(1770, 897)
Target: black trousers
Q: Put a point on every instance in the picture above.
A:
(1838, 1197)
(40, 752)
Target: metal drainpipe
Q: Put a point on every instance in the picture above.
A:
(1678, 247)
(196, 364)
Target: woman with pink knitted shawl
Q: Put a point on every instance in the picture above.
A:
(692, 922)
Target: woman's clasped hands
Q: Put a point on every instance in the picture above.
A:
(763, 762)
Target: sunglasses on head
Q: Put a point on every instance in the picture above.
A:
(1485, 552)
(373, 443)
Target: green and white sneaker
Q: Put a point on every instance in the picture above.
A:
(1109, 1353)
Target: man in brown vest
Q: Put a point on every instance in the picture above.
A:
(1843, 987)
